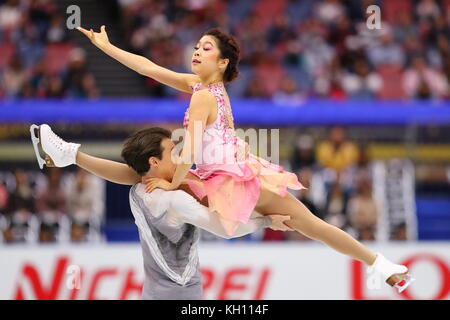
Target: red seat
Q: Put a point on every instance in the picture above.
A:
(57, 56)
(271, 75)
(6, 52)
(392, 76)
(267, 10)
(391, 9)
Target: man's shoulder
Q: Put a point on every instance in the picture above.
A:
(157, 194)
(139, 190)
(156, 201)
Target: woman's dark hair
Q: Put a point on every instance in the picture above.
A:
(229, 49)
(142, 145)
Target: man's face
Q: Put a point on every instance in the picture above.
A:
(164, 167)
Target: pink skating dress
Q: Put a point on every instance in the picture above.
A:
(232, 184)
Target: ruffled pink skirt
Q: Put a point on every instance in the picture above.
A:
(233, 189)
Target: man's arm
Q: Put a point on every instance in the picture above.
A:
(112, 171)
(192, 212)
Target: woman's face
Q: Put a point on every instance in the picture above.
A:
(205, 59)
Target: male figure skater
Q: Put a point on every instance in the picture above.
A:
(167, 221)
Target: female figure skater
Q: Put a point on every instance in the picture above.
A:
(235, 187)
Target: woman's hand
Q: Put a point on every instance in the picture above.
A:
(153, 183)
(243, 150)
(99, 39)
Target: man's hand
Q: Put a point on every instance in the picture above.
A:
(278, 222)
(153, 183)
(99, 39)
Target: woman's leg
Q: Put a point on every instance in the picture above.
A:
(303, 221)
(185, 188)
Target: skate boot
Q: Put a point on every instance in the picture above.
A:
(395, 275)
(58, 153)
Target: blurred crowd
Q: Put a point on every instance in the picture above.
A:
(36, 58)
(297, 49)
(53, 207)
(338, 175)
(291, 49)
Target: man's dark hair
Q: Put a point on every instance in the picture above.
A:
(142, 145)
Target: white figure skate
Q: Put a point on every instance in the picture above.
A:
(58, 153)
(395, 275)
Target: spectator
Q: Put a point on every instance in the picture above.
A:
(422, 82)
(280, 31)
(337, 152)
(39, 77)
(21, 198)
(14, 77)
(40, 13)
(288, 93)
(439, 27)
(329, 11)
(29, 43)
(56, 32)
(74, 81)
(51, 205)
(256, 89)
(303, 155)
(362, 210)
(84, 204)
(363, 167)
(386, 51)
(406, 28)
(400, 232)
(53, 87)
(10, 14)
(366, 234)
(444, 56)
(20, 208)
(89, 86)
(362, 84)
(427, 9)
(336, 206)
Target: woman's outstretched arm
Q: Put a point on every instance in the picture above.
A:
(109, 170)
(142, 65)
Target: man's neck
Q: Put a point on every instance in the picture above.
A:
(148, 175)
(152, 174)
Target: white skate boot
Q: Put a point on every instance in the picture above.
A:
(59, 153)
(395, 275)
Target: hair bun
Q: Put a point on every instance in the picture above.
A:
(229, 49)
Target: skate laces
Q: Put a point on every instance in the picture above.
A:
(60, 144)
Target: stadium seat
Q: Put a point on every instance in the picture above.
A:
(392, 76)
(57, 56)
(7, 50)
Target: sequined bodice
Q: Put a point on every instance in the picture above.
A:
(221, 132)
